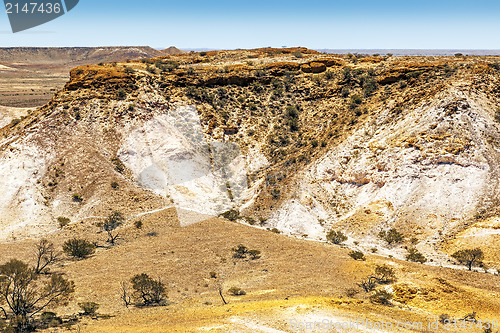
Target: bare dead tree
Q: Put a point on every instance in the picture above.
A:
(125, 295)
(45, 255)
(225, 269)
(368, 284)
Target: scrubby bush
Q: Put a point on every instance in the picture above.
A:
(23, 293)
(357, 255)
(77, 197)
(385, 274)
(241, 252)
(415, 256)
(254, 254)
(231, 215)
(369, 86)
(275, 230)
(63, 221)
(444, 318)
(138, 224)
(89, 308)
(235, 291)
(78, 248)
(336, 237)
(148, 290)
(392, 236)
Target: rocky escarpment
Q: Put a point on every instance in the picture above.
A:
(306, 143)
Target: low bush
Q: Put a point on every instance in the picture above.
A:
(336, 237)
(78, 248)
(63, 221)
(357, 255)
(89, 308)
(235, 291)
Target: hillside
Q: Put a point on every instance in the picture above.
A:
(29, 76)
(288, 143)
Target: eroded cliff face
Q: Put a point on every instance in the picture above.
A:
(303, 145)
(426, 172)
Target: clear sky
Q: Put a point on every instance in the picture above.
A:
(335, 24)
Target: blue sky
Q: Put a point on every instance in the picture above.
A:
(415, 24)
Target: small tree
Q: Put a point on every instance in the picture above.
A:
(240, 252)
(148, 290)
(392, 236)
(254, 254)
(78, 248)
(469, 257)
(25, 294)
(112, 222)
(415, 256)
(336, 237)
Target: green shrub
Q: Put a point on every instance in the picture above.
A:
(369, 86)
(240, 252)
(254, 254)
(392, 236)
(231, 215)
(114, 185)
(89, 308)
(336, 237)
(138, 224)
(63, 221)
(385, 274)
(147, 290)
(275, 230)
(235, 291)
(298, 54)
(77, 197)
(357, 255)
(78, 248)
(415, 256)
(329, 75)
